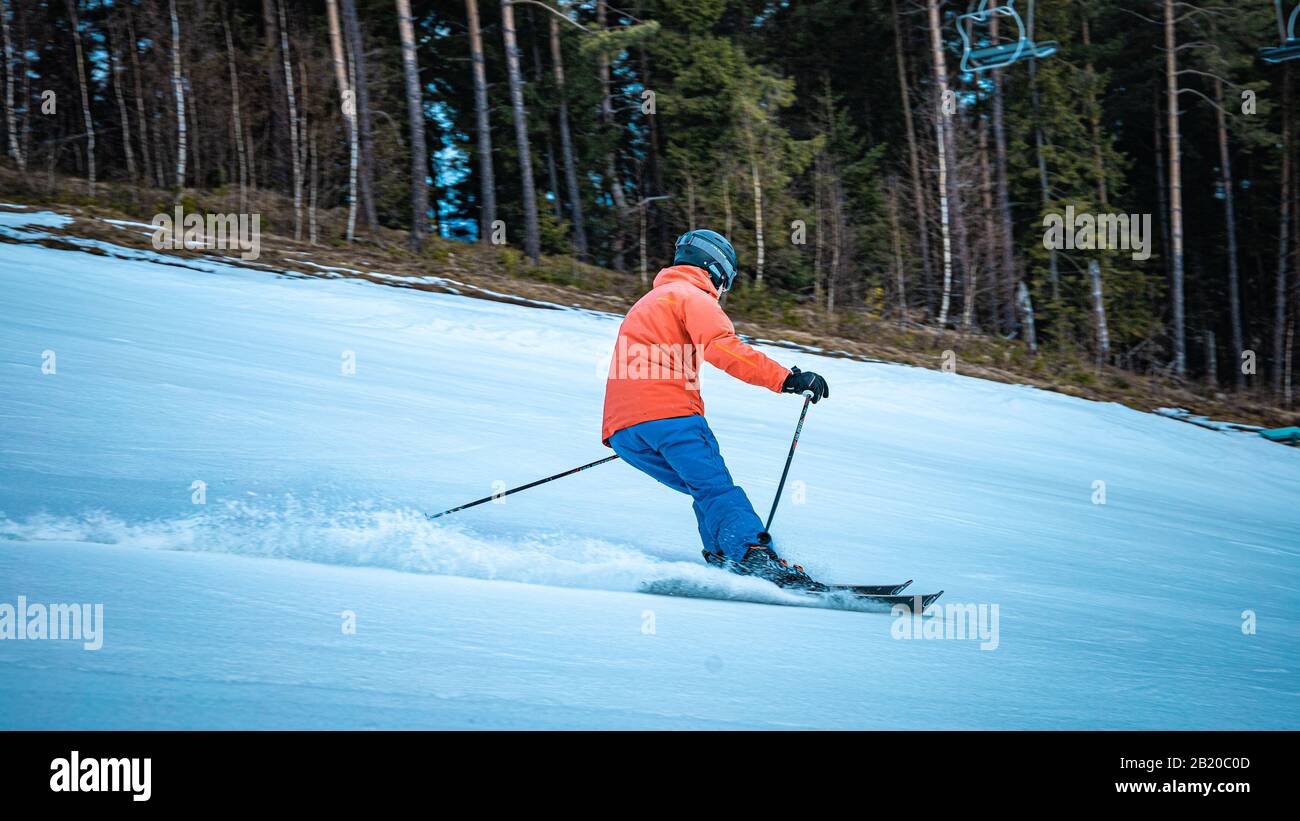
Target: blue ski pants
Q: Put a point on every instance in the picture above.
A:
(681, 453)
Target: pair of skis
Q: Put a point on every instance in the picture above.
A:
(887, 595)
(862, 598)
(851, 596)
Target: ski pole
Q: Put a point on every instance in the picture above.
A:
(807, 399)
(569, 472)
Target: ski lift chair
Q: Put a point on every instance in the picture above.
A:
(998, 55)
(1290, 48)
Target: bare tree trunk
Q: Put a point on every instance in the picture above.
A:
(486, 178)
(1008, 256)
(1288, 396)
(1280, 290)
(898, 249)
(115, 73)
(85, 97)
(178, 91)
(415, 116)
(1162, 186)
(756, 184)
(1044, 184)
(990, 232)
(354, 147)
(348, 104)
(552, 175)
(611, 167)
(1175, 188)
(1095, 270)
(304, 117)
(941, 127)
(192, 123)
(527, 189)
(25, 141)
(1230, 218)
(361, 88)
(653, 151)
(295, 150)
(566, 143)
(11, 122)
(1026, 306)
(277, 124)
(1211, 361)
(251, 154)
(236, 113)
(961, 237)
(913, 155)
(141, 120)
(160, 143)
(1099, 312)
(818, 183)
(837, 242)
(1040, 144)
(313, 157)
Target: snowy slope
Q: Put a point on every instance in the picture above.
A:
(526, 614)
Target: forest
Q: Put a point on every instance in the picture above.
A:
(1114, 179)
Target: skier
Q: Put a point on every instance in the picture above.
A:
(654, 416)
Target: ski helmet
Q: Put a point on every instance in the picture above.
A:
(711, 251)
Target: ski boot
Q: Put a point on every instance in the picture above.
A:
(761, 561)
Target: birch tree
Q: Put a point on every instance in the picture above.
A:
(487, 196)
(1175, 187)
(361, 88)
(1283, 244)
(178, 91)
(142, 121)
(347, 104)
(611, 166)
(295, 155)
(566, 142)
(236, 114)
(11, 122)
(942, 125)
(913, 155)
(1006, 234)
(415, 117)
(115, 74)
(527, 188)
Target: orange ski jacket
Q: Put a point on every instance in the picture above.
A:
(654, 372)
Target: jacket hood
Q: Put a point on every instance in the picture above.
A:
(687, 273)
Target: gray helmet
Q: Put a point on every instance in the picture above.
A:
(711, 251)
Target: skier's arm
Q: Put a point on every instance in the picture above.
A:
(713, 334)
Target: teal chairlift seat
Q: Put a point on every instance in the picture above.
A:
(1290, 48)
(997, 55)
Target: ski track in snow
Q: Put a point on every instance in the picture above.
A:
(526, 613)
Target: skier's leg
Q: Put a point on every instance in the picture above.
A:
(727, 519)
(707, 537)
(641, 455)
(642, 447)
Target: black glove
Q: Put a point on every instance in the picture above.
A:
(798, 382)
